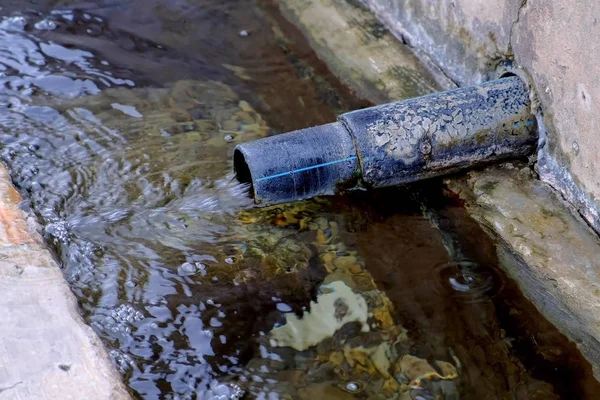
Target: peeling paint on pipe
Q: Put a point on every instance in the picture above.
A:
(392, 144)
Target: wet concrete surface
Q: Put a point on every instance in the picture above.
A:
(360, 51)
(118, 128)
(47, 351)
(546, 247)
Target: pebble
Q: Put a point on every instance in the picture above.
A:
(230, 125)
(321, 222)
(349, 263)
(245, 117)
(328, 257)
(250, 127)
(294, 247)
(245, 106)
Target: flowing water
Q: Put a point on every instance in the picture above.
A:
(118, 119)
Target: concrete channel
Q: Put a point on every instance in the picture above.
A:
(540, 223)
(48, 352)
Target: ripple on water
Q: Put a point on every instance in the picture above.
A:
(132, 213)
(466, 281)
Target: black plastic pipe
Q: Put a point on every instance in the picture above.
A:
(393, 143)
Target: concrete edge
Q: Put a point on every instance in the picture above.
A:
(47, 351)
(560, 178)
(544, 245)
(359, 50)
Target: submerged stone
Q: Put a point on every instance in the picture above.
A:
(332, 310)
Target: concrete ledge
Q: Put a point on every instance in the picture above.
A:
(46, 351)
(360, 51)
(546, 248)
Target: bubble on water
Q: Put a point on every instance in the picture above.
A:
(231, 260)
(123, 316)
(123, 362)
(353, 387)
(187, 269)
(467, 281)
(283, 307)
(244, 33)
(45, 25)
(59, 230)
(13, 24)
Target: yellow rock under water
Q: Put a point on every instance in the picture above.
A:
(370, 359)
(419, 370)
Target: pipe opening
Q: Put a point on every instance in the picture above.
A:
(508, 74)
(242, 171)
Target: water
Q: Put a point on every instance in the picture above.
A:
(118, 120)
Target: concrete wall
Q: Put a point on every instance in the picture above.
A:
(554, 42)
(544, 246)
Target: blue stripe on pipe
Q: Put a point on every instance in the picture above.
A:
(266, 178)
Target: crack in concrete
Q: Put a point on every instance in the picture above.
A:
(512, 28)
(10, 387)
(443, 78)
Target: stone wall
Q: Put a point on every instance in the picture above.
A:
(554, 43)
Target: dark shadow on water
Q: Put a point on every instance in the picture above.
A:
(506, 347)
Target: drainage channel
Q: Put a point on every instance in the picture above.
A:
(119, 139)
